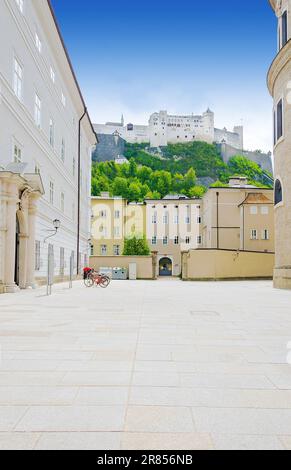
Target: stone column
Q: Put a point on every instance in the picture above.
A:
(32, 210)
(10, 240)
(154, 261)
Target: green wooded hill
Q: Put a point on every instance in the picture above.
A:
(173, 171)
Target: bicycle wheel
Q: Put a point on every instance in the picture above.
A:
(104, 282)
(89, 281)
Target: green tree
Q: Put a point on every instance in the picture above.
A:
(120, 187)
(136, 246)
(134, 191)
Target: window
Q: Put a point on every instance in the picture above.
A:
(176, 219)
(187, 240)
(37, 255)
(38, 43)
(102, 214)
(187, 220)
(37, 169)
(165, 219)
(62, 261)
(63, 100)
(117, 214)
(103, 250)
(279, 119)
(264, 210)
(199, 240)
(278, 192)
(17, 154)
(254, 234)
(62, 202)
(199, 220)
(176, 240)
(17, 80)
(53, 75)
(154, 219)
(116, 250)
(253, 210)
(52, 133)
(20, 5)
(265, 234)
(92, 250)
(52, 189)
(284, 29)
(165, 240)
(37, 110)
(154, 240)
(63, 150)
(116, 231)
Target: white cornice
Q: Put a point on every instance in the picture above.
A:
(280, 61)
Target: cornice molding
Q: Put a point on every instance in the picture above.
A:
(280, 61)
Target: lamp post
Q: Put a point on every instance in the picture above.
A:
(50, 258)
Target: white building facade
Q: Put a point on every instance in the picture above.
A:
(46, 142)
(164, 129)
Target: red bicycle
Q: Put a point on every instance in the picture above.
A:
(94, 278)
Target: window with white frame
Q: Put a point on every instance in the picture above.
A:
(283, 29)
(116, 231)
(254, 234)
(264, 210)
(51, 132)
(199, 240)
(37, 256)
(62, 202)
(253, 210)
(17, 153)
(117, 214)
(52, 191)
(116, 250)
(187, 220)
(53, 75)
(165, 219)
(165, 240)
(176, 240)
(176, 219)
(199, 220)
(265, 234)
(63, 150)
(20, 4)
(38, 43)
(187, 240)
(103, 250)
(17, 79)
(154, 240)
(279, 116)
(37, 110)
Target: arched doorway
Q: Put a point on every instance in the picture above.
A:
(17, 250)
(165, 267)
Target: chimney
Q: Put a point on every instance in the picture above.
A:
(238, 181)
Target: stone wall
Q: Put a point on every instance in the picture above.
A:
(146, 265)
(109, 148)
(226, 264)
(264, 160)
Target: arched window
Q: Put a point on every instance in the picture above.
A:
(278, 192)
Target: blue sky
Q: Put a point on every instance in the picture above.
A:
(137, 57)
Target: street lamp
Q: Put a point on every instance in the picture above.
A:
(56, 224)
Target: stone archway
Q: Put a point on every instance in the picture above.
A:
(165, 267)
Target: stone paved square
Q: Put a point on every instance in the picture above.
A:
(146, 365)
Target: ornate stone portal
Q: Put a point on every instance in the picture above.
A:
(18, 206)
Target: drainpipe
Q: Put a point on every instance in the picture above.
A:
(217, 219)
(79, 190)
